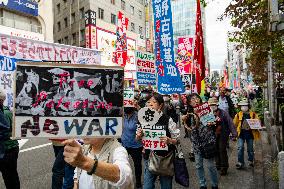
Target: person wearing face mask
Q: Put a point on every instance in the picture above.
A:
(156, 102)
(245, 134)
(224, 126)
(133, 147)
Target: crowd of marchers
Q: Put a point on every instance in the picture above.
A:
(102, 163)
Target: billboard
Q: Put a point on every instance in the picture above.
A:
(23, 6)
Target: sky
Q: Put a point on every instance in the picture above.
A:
(216, 33)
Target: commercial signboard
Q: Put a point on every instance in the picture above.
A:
(23, 6)
(90, 30)
(67, 100)
(21, 33)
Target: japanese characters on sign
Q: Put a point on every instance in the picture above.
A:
(128, 97)
(121, 42)
(7, 68)
(169, 80)
(90, 30)
(26, 49)
(148, 119)
(184, 59)
(146, 70)
(65, 100)
(204, 113)
(254, 123)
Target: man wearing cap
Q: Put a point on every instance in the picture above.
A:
(245, 134)
(224, 126)
(225, 102)
(10, 149)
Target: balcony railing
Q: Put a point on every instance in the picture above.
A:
(20, 25)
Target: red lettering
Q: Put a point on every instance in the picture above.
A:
(77, 104)
(59, 102)
(85, 103)
(13, 47)
(66, 104)
(81, 83)
(50, 104)
(90, 83)
(23, 48)
(4, 45)
(31, 51)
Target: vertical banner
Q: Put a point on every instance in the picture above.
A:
(169, 80)
(146, 70)
(184, 59)
(121, 42)
(90, 30)
(7, 68)
(199, 58)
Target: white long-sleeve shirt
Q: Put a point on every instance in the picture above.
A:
(120, 158)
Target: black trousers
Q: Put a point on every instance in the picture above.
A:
(221, 155)
(8, 168)
(136, 154)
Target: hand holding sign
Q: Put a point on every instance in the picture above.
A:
(254, 123)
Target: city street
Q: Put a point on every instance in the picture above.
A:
(36, 158)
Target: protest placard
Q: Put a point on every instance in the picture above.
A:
(204, 113)
(148, 119)
(128, 97)
(254, 123)
(146, 70)
(65, 100)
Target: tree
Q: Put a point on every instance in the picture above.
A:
(251, 17)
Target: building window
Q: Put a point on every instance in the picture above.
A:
(66, 40)
(101, 13)
(72, 1)
(132, 27)
(59, 41)
(65, 22)
(58, 8)
(122, 5)
(73, 18)
(82, 34)
(140, 30)
(112, 2)
(65, 1)
(82, 13)
(73, 38)
(58, 26)
(140, 14)
(113, 18)
(132, 9)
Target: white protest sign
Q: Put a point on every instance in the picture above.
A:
(151, 139)
(254, 123)
(148, 119)
(128, 100)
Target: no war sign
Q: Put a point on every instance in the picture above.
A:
(64, 100)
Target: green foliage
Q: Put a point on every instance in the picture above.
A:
(259, 107)
(251, 18)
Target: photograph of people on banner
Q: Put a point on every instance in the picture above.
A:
(65, 100)
(204, 113)
(148, 119)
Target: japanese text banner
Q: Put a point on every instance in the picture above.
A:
(184, 59)
(146, 70)
(169, 80)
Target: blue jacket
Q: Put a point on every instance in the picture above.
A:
(129, 132)
(4, 133)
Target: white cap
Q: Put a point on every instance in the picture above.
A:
(2, 95)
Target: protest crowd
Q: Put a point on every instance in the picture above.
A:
(210, 123)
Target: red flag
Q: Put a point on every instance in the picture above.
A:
(199, 58)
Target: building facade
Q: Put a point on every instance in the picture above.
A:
(69, 23)
(27, 19)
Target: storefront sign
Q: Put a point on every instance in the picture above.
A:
(23, 6)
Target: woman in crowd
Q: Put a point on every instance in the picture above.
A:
(156, 102)
(203, 138)
(133, 147)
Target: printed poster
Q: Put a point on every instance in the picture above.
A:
(146, 69)
(65, 100)
(128, 97)
(204, 113)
